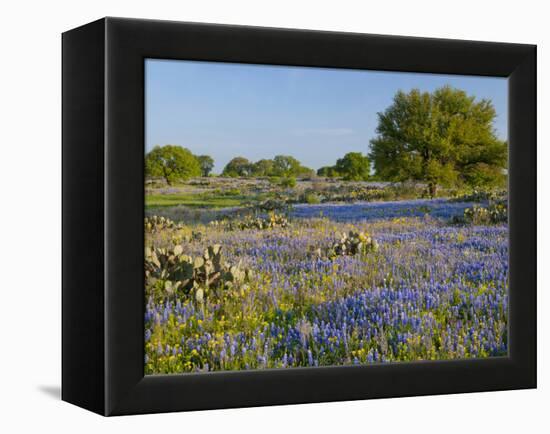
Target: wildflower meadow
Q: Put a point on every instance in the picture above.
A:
(421, 283)
(322, 217)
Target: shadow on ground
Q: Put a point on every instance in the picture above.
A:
(52, 391)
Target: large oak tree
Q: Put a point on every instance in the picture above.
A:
(172, 163)
(440, 138)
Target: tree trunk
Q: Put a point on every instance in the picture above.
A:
(432, 188)
(166, 176)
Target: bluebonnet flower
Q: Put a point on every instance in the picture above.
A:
(432, 290)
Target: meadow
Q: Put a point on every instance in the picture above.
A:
(330, 281)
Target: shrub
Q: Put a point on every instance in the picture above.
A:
(288, 182)
(312, 198)
(232, 192)
(272, 204)
(408, 190)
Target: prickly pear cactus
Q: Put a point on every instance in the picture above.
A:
(495, 213)
(196, 236)
(169, 271)
(154, 224)
(273, 220)
(353, 243)
(498, 211)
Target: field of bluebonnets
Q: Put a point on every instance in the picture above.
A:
(324, 281)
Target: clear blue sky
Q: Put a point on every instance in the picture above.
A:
(256, 111)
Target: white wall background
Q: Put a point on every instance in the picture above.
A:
(30, 186)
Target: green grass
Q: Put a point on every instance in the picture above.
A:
(193, 200)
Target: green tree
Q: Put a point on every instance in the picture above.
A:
(327, 171)
(287, 166)
(263, 167)
(440, 138)
(304, 172)
(172, 163)
(354, 166)
(207, 164)
(238, 166)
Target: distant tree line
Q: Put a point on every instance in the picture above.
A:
(443, 138)
(281, 166)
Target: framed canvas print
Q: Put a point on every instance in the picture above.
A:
(257, 216)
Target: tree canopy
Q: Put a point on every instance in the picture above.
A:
(207, 164)
(282, 166)
(441, 138)
(172, 163)
(287, 166)
(327, 171)
(354, 166)
(238, 166)
(263, 167)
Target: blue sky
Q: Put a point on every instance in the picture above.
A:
(256, 111)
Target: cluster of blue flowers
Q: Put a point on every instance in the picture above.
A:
(364, 211)
(431, 291)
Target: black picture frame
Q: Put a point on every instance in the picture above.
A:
(103, 210)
